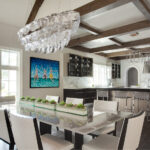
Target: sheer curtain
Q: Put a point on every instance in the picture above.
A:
(101, 74)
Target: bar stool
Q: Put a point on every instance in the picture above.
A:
(123, 95)
(103, 94)
(142, 96)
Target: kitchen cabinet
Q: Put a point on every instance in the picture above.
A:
(80, 66)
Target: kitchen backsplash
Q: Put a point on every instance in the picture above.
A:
(77, 82)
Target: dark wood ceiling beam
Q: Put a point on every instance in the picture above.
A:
(89, 28)
(116, 54)
(80, 48)
(34, 10)
(83, 49)
(116, 41)
(125, 45)
(112, 32)
(127, 52)
(98, 6)
(143, 7)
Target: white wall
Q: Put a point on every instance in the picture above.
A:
(79, 82)
(142, 77)
(8, 36)
(64, 80)
(41, 92)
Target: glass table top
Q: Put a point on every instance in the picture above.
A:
(76, 123)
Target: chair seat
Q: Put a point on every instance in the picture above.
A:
(50, 142)
(103, 142)
(105, 130)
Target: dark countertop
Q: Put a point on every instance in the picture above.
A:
(112, 88)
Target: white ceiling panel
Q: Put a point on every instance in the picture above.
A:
(54, 6)
(98, 43)
(15, 12)
(142, 46)
(113, 51)
(116, 17)
(80, 33)
(140, 35)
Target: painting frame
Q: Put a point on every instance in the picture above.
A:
(44, 60)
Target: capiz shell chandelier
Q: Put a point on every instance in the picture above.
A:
(51, 33)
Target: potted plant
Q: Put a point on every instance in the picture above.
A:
(27, 100)
(22, 98)
(79, 109)
(43, 103)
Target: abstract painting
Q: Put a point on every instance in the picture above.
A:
(44, 73)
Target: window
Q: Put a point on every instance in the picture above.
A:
(101, 75)
(9, 66)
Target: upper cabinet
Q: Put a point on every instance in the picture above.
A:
(80, 66)
(116, 69)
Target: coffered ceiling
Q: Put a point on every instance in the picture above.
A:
(111, 28)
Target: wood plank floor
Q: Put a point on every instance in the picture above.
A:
(144, 143)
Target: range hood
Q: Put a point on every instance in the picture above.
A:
(146, 68)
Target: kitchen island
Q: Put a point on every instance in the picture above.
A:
(90, 94)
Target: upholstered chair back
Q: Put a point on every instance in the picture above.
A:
(55, 98)
(142, 95)
(25, 132)
(74, 101)
(105, 106)
(131, 132)
(5, 126)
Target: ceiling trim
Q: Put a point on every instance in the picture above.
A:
(34, 10)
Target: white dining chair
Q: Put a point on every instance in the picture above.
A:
(74, 101)
(27, 137)
(109, 107)
(129, 139)
(50, 97)
(6, 134)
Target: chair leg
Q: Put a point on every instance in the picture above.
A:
(11, 146)
(114, 133)
(148, 110)
(57, 128)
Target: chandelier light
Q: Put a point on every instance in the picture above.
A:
(137, 56)
(51, 33)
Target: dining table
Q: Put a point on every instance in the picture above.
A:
(78, 125)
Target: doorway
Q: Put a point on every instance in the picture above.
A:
(132, 77)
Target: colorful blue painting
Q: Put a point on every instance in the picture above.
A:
(44, 73)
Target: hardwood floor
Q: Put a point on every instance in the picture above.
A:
(144, 143)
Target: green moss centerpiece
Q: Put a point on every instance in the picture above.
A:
(27, 100)
(43, 103)
(79, 109)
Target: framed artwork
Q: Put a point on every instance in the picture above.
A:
(44, 73)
